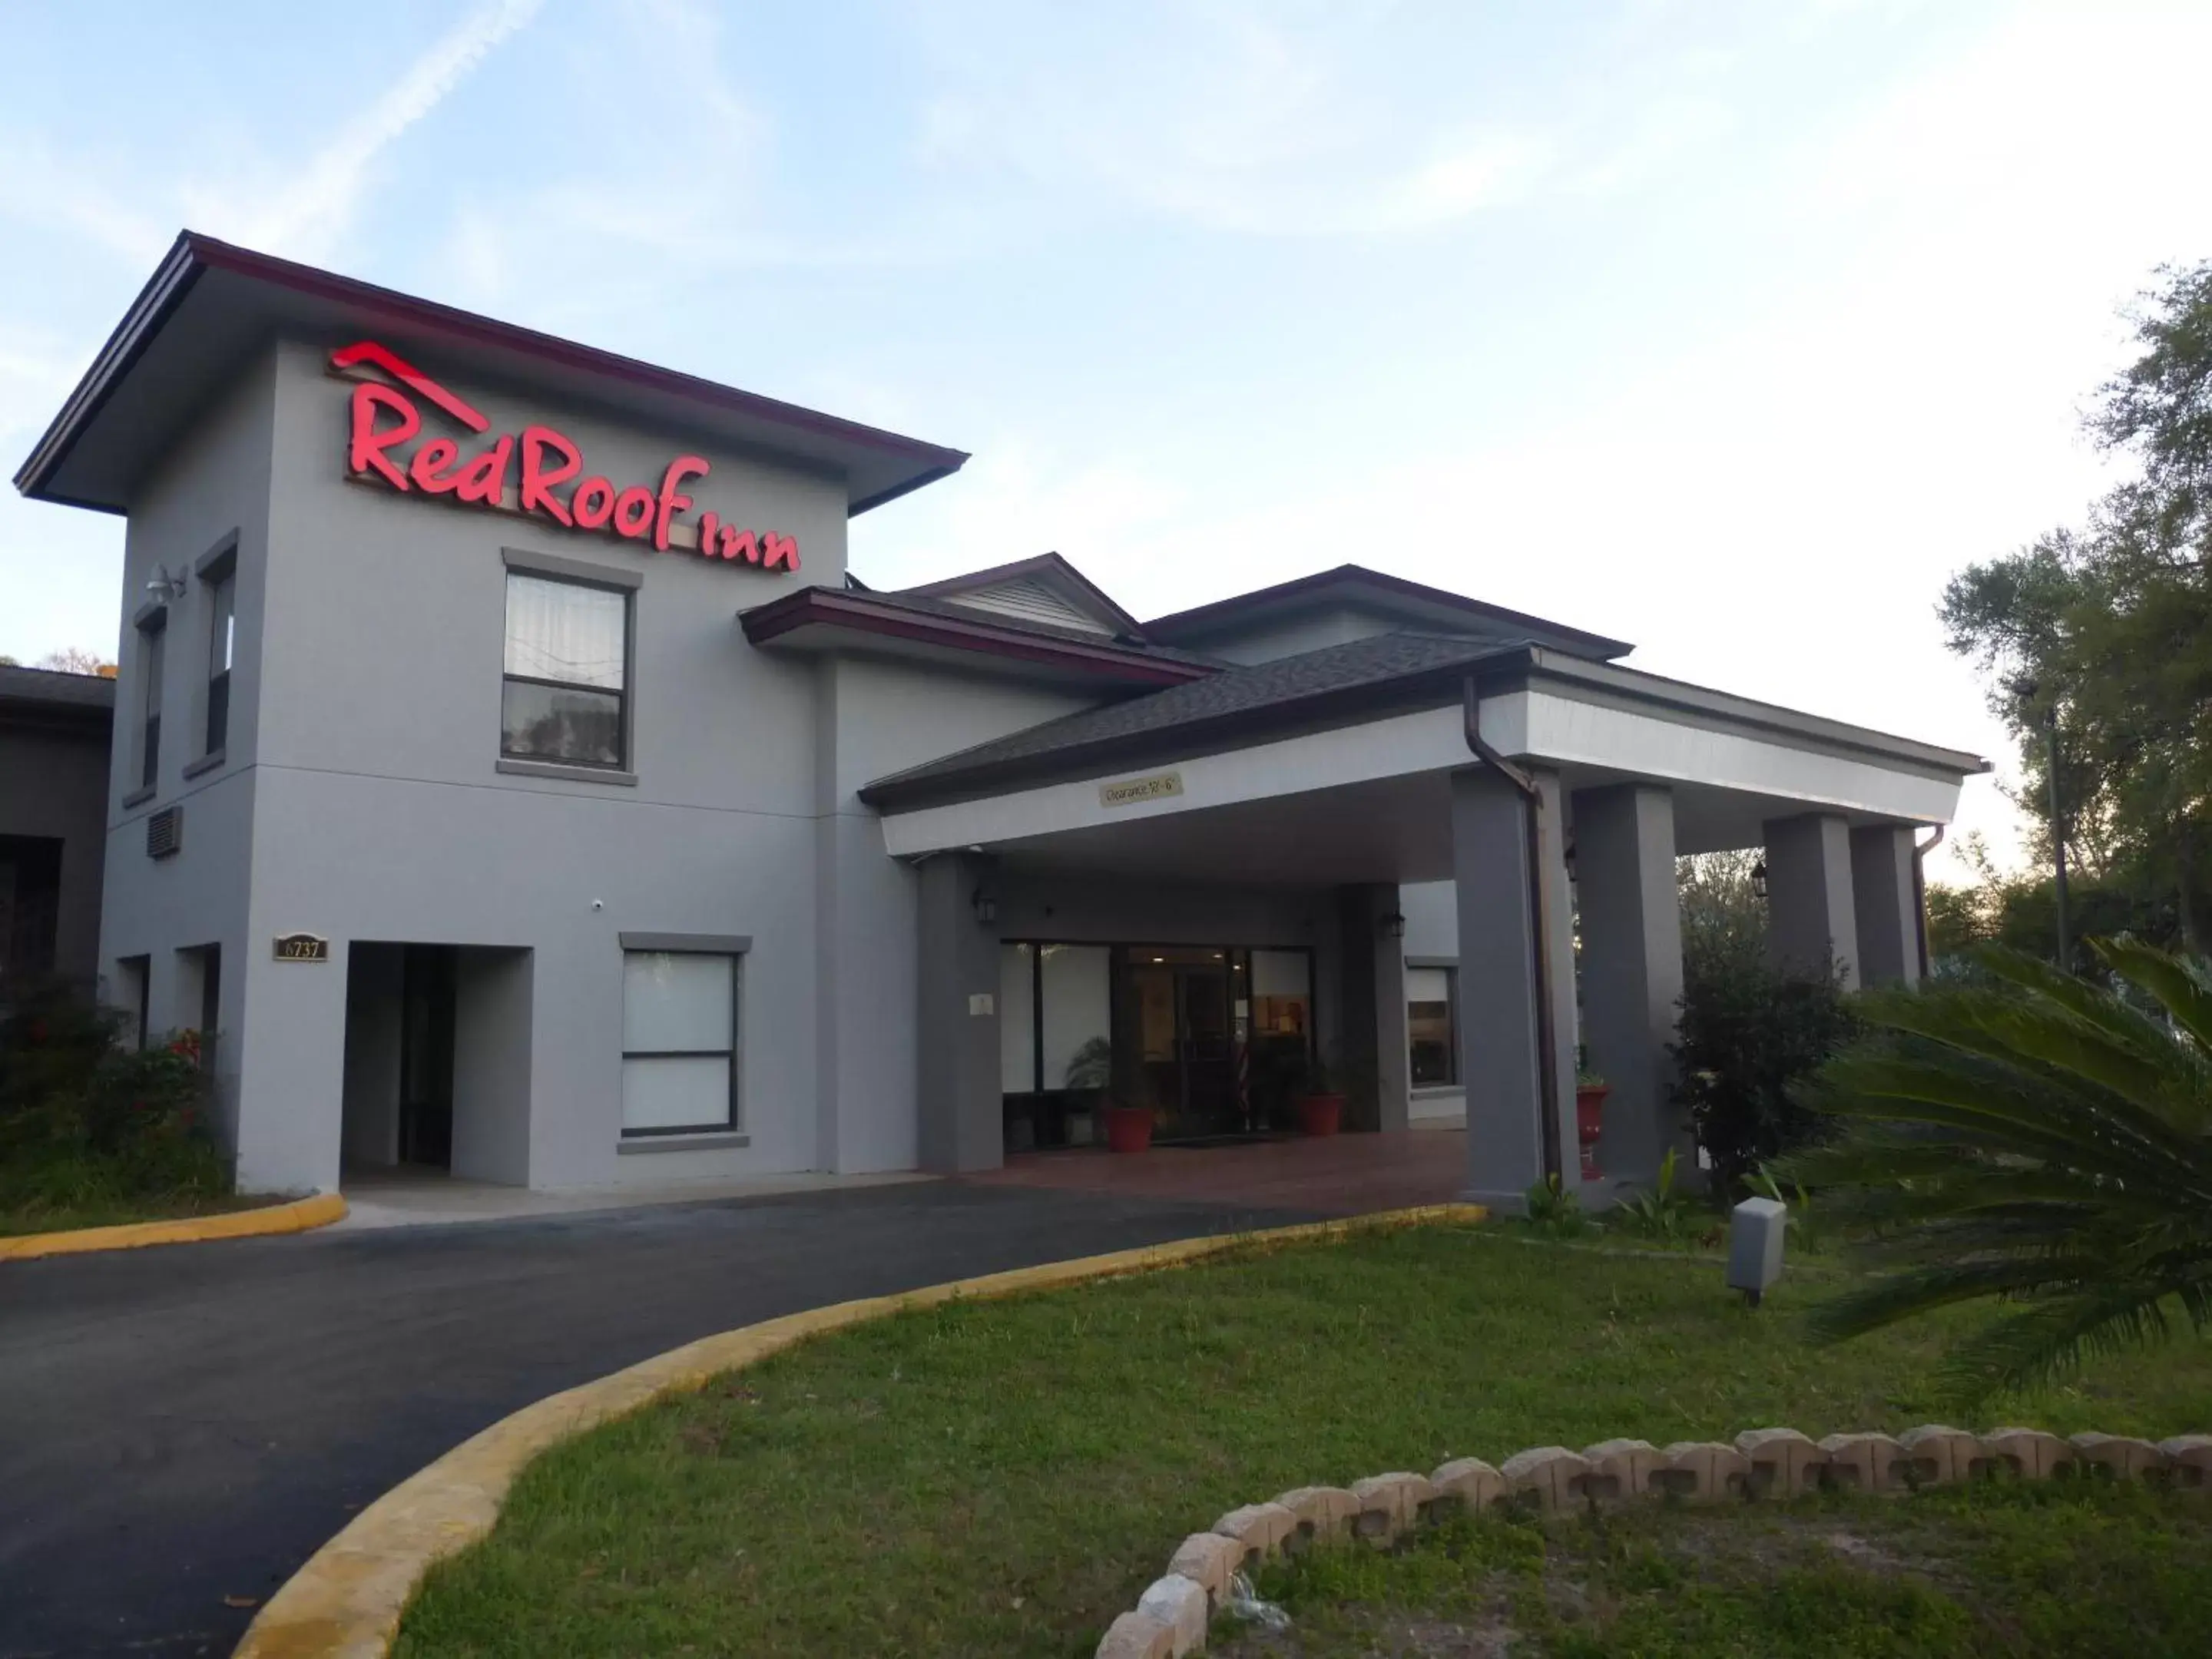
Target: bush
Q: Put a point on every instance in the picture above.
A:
(1749, 1033)
(86, 1123)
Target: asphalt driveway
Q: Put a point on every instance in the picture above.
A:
(183, 1424)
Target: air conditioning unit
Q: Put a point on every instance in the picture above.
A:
(164, 832)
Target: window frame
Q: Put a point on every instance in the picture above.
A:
(1455, 1069)
(221, 588)
(545, 566)
(152, 624)
(730, 1130)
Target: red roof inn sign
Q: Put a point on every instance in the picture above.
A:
(536, 471)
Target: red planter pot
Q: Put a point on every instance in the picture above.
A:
(1590, 1124)
(1128, 1128)
(1320, 1114)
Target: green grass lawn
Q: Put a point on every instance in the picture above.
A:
(42, 1216)
(1003, 1478)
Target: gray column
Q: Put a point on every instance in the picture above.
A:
(1558, 921)
(1631, 969)
(962, 1115)
(1498, 1025)
(1372, 977)
(1810, 918)
(1886, 904)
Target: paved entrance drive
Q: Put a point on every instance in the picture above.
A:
(1332, 1175)
(184, 1424)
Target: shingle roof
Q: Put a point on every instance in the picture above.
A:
(1239, 696)
(930, 605)
(50, 688)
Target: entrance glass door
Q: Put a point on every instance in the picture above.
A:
(1178, 1001)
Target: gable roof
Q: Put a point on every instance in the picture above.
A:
(210, 305)
(1415, 603)
(1045, 588)
(48, 697)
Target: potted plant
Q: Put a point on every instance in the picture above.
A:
(1321, 1097)
(1129, 1117)
(1590, 1091)
(1089, 1071)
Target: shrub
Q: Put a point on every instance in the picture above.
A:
(85, 1122)
(1749, 1033)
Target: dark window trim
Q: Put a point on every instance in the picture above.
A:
(220, 561)
(139, 796)
(150, 617)
(206, 762)
(734, 946)
(547, 567)
(680, 1141)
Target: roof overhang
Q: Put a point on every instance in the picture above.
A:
(1589, 714)
(210, 306)
(821, 619)
(46, 700)
(1413, 602)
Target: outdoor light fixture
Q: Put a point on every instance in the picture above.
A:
(168, 586)
(1758, 881)
(986, 906)
(1393, 925)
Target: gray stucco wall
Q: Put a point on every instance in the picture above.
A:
(53, 785)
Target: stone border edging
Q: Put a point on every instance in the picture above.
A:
(1171, 1617)
(345, 1602)
(299, 1215)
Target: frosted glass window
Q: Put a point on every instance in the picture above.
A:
(680, 1041)
(676, 1091)
(1078, 1005)
(1017, 1019)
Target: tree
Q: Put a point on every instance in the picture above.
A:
(74, 659)
(2103, 634)
(2027, 1137)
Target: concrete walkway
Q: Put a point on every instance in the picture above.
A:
(1333, 1175)
(181, 1425)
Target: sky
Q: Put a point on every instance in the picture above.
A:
(1729, 329)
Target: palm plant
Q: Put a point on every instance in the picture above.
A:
(2034, 1139)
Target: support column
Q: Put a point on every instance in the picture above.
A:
(1886, 904)
(1631, 977)
(1810, 916)
(1372, 974)
(960, 1107)
(1499, 1027)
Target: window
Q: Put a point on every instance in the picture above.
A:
(1432, 1025)
(151, 635)
(568, 659)
(679, 1041)
(134, 985)
(222, 626)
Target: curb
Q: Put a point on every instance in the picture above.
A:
(345, 1602)
(296, 1216)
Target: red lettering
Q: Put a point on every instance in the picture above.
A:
(593, 503)
(706, 523)
(671, 503)
(779, 552)
(484, 479)
(737, 542)
(428, 468)
(536, 482)
(634, 512)
(366, 454)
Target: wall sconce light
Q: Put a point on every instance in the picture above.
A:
(1758, 881)
(1393, 926)
(170, 587)
(985, 905)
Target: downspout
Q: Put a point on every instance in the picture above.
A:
(1547, 1079)
(1920, 852)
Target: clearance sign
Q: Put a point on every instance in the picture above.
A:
(538, 470)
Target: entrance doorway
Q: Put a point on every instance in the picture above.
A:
(1179, 997)
(426, 1054)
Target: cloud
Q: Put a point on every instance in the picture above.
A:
(307, 216)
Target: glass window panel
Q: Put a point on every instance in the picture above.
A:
(1017, 1019)
(153, 654)
(565, 631)
(685, 1092)
(222, 623)
(1079, 998)
(556, 723)
(1282, 995)
(675, 1000)
(1431, 1032)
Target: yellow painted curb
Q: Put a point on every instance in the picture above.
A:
(346, 1601)
(297, 1216)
